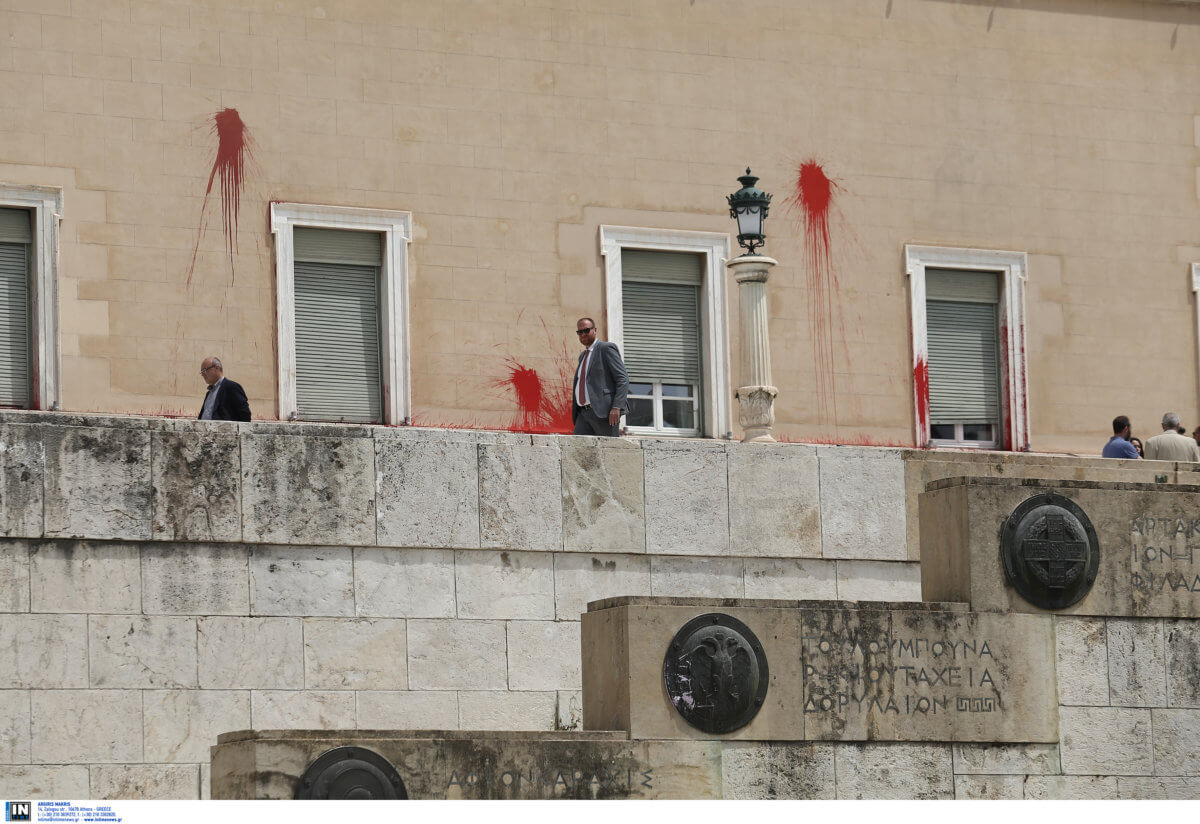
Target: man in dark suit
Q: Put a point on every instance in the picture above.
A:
(601, 384)
(226, 400)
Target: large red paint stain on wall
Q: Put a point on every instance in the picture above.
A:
(543, 404)
(234, 152)
(813, 197)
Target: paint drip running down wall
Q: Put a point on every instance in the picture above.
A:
(229, 167)
(813, 197)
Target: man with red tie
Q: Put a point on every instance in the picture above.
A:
(601, 385)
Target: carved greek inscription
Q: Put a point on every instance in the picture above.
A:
(900, 675)
(565, 780)
(1163, 554)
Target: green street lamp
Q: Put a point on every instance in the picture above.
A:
(749, 205)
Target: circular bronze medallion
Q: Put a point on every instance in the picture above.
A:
(351, 774)
(716, 673)
(1050, 551)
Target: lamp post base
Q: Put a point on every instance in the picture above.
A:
(756, 413)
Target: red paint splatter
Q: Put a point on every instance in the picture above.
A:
(233, 154)
(542, 406)
(921, 387)
(814, 198)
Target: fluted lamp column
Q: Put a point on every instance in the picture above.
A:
(756, 396)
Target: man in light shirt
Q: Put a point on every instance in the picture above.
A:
(1170, 445)
(225, 400)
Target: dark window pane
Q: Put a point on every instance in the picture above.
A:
(641, 412)
(675, 390)
(641, 389)
(977, 432)
(679, 414)
(942, 431)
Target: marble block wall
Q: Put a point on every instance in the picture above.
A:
(163, 581)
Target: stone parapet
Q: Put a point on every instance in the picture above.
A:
(112, 478)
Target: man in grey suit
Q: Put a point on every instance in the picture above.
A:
(601, 384)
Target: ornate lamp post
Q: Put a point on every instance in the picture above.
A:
(756, 396)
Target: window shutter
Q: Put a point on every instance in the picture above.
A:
(338, 374)
(660, 297)
(15, 357)
(964, 383)
(960, 285)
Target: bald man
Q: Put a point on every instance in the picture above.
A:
(225, 400)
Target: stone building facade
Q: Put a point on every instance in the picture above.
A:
(510, 150)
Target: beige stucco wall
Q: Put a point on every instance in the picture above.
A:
(1065, 129)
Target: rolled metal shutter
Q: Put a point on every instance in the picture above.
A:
(660, 297)
(338, 343)
(15, 344)
(964, 363)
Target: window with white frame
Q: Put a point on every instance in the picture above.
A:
(666, 308)
(342, 309)
(29, 369)
(968, 347)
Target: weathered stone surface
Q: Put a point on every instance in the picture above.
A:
(22, 467)
(250, 653)
(687, 498)
(774, 501)
(1137, 666)
(141, 651)
(1082, 652)
(520, 501)
(361, 653)
(543, 655)
(878, 581)
(97, 483)
(44, 782)
(1136, 788)
(1105, 741)
(504, 584)
(886, 771)
(387, 710)
(1147, 568)
(1176, 741)
(919, 675)
(888, 672)
(697, 577)
(43, 651)
(428, 490)
(569, 713)
(84, 576)
(197, 480)
(295, 580)
(1183, 662)
(448, 655)
(181, 725)
(477, 765)
(1006, 759)
(989, 787)
(131, 782)
(495, 710)
(770, 771)
(862, 504)
(14, 728)
(404, 583)
(303, 710)
(195, 579)
(308, 490)
(580, 578)
(603, 505)
(782, 578)
(86, 726)
(14, 577)
(1070, 787)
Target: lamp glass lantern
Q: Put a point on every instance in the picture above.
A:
(749, 205)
